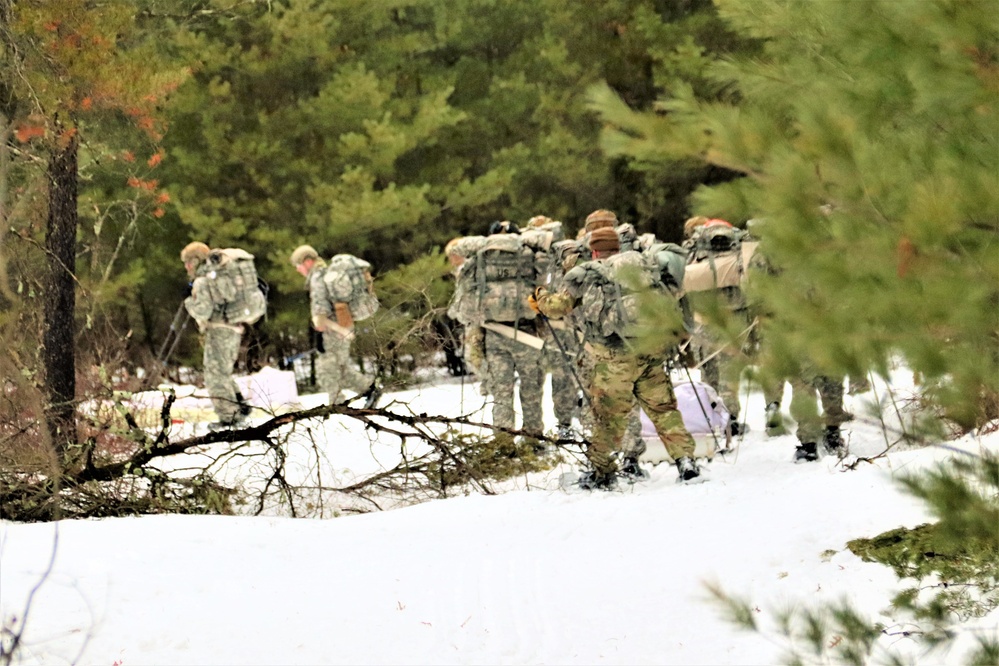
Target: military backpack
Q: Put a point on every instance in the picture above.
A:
(610, 301)
(348, 280)
(718, 259)
(494, 282)
(233, 286)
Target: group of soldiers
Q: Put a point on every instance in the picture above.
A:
(533, 302)
(210, 305)
(575, 299)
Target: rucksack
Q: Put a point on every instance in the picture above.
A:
(494, 283)
(718, 259)
(672, 262)
(234, 287)
(611, 295)
(348, 280)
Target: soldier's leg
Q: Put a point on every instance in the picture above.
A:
(351, 377)
(499, 360)
(805, 410)
(221, 352)
(831, 391)
(654, 392)
(564, 390)
(530, 370)
(329, 365)
(612, 399)
(632, 444)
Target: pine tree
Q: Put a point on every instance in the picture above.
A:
(867, 137)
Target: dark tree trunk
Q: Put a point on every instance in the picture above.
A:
(60, 299)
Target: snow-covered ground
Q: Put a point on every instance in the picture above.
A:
(532, 575)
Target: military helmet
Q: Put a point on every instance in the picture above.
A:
(194, 251)
(302, 253)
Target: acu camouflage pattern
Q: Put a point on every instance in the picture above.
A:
(505, 360)
(493, 284)
(221, 351)
(334, 369)
(348, 280)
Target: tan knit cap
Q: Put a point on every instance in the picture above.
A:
(303, 252)
(196, 250)
(604, 239)
(599, 219)
(693, 223)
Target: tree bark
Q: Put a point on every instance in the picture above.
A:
(60, 299)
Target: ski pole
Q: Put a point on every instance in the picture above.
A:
(704, 412)
(176, 339)
(170, 333)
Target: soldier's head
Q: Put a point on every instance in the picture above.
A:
(604, 242)
(304, 258)
(193, 255)
(600, 219)
(691, 225)
(455, 258)
(504, 227)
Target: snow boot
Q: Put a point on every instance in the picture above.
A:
(736, 428)
(806, 452)
(632, 471)
(832, 441)
(566, 432)
(372, 395)
(687, 470)
(775, 421)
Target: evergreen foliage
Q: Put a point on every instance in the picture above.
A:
(866, 137)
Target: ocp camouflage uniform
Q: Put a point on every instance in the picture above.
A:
(221, 342)
(506, 359)
(334, 369)
(619, 379)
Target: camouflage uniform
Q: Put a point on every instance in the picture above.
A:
(506, 359)
(221, 347)
(619, 381)
(334, 368)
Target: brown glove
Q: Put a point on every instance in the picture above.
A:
(532, 300)
(343, 316)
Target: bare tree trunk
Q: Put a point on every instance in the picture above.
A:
(60, 299)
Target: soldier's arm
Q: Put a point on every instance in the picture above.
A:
(199, 304)
(558, 304)
(322, 308)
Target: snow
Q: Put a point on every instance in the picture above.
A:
(531, 575)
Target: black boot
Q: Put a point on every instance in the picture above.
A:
(735, 427)
(832, 440)
(594, 480)
(806, 452)
(632, 471)
(687, 469)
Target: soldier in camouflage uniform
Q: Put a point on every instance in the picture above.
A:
(619, 378)
(334, 369)
(221, 340)
(502, 359)
(633, 445)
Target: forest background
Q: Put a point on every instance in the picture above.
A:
(863, 134)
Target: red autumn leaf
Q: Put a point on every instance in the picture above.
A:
(134, 182)
(26, 133)
(128, 156)
(155, 159)
(86, 103)
(906, 253)
(159, 212)
(162, 198)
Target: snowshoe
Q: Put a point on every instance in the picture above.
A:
(593, 480)
(237, 422)
(806, 452)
